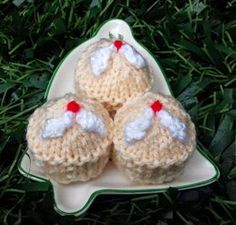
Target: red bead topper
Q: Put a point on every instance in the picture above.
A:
(156, 106)
(118, 44)
(73, 106)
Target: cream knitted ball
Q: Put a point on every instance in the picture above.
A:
(111, 72)
(69, 138)
(153, 139)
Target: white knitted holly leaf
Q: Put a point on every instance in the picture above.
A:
(56, 127)
(137, 129)
(174, 125)
(132, 56)
(90, 122)
(100, 59)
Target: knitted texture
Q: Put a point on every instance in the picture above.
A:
(77, 155)
(159, 156)
(117, 82)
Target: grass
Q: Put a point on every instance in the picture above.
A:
(194, 42)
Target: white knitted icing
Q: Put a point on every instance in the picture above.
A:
(56, 127)
(137, 129)
(132, 56)
(90, 122)
(173, 124)
(99, 60)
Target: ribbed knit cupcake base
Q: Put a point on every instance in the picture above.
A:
(145, 174)
(68, 173)
(158, 156)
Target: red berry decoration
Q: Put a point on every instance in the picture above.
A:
(73, 106)
(118, 44)
(156, 106)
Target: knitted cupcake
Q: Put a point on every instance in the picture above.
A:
(69, 138)
(153, 139)
(111, 72)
